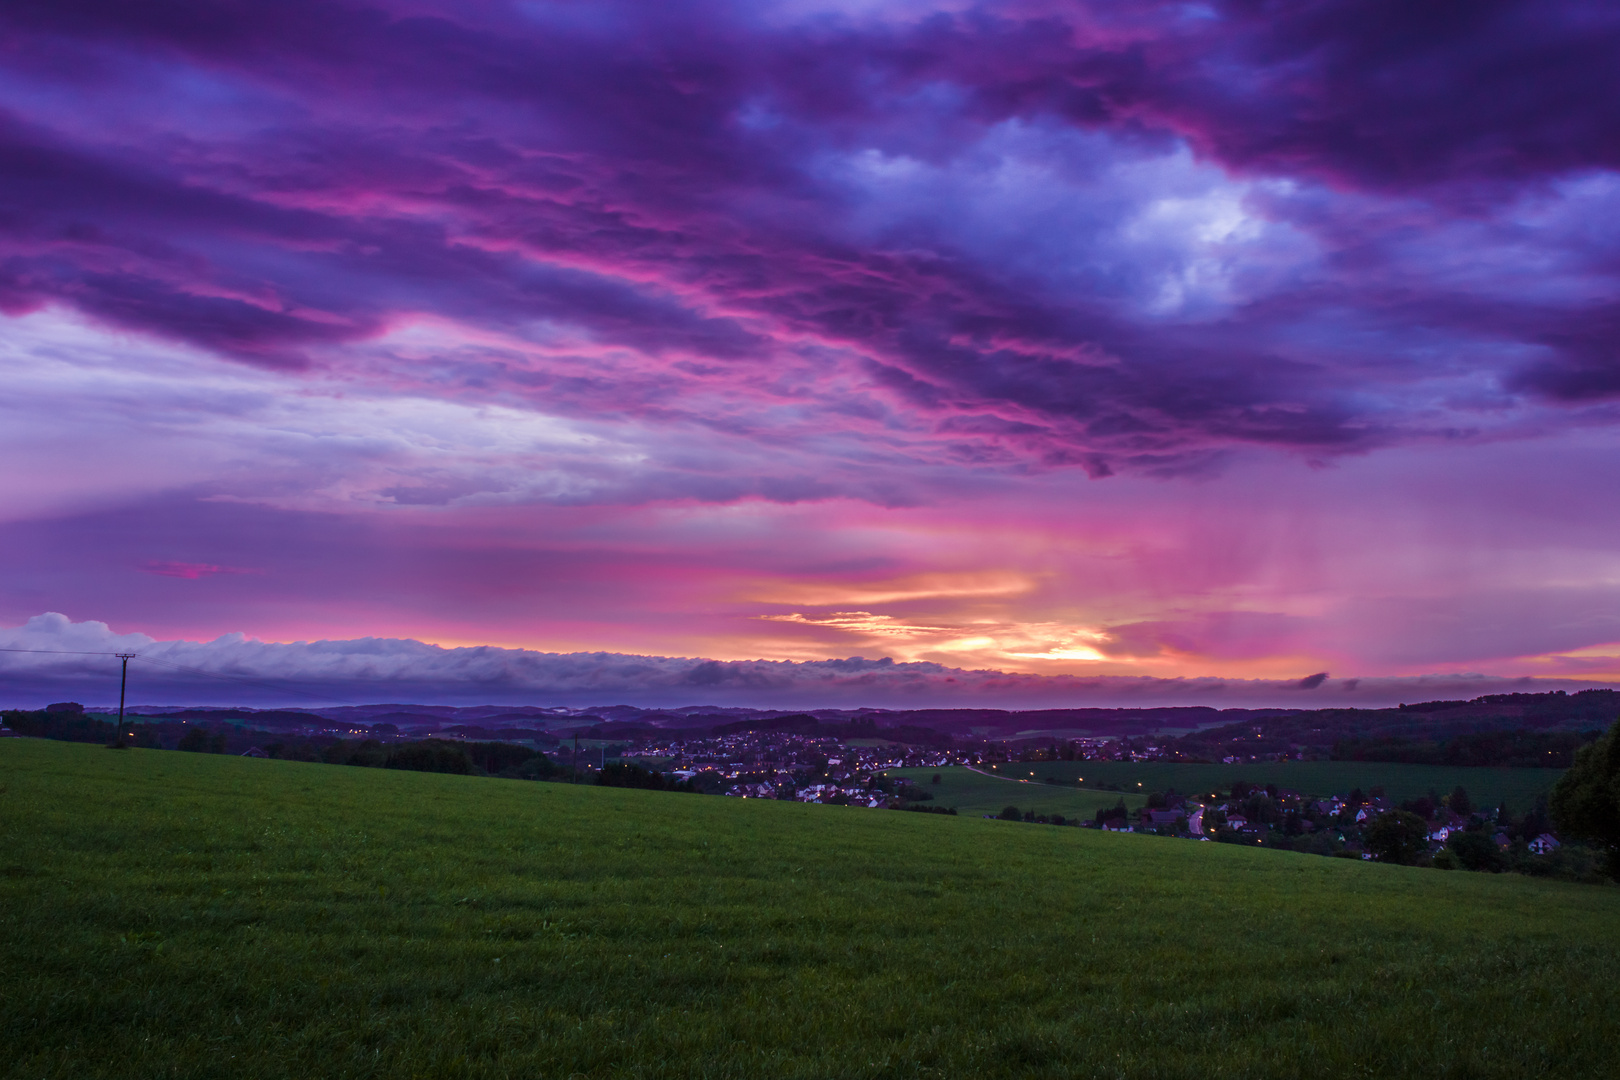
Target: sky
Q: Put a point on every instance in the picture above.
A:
(1101, 346)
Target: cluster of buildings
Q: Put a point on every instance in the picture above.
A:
(1283, 818)
(777, 765)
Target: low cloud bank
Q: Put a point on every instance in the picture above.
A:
(74, 661)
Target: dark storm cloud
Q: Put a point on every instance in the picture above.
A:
(678, 193)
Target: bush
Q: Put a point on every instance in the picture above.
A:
(64, 726)
(637, 776)
(538, 767)
(497, 757)
(195, 741)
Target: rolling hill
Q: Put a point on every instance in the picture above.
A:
(192, 915)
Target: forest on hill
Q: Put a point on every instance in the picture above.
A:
(1519, 730)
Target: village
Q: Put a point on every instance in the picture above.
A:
(802, 760)
(824, 769)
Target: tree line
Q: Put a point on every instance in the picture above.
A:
(1520, 748)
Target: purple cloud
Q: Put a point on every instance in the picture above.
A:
(713, 201)
(447, 314)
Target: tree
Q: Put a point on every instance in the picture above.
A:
(1585, 802)
(1475, 851)
(1012, 813)
(1397, 837)
(195, 740)
(1535, 821)
(1459, 802)
(430, 755)
(1422, 806)
(1117, 812)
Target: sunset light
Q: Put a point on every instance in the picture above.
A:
(1238, 370)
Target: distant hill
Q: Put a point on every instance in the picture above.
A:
(1416, 732)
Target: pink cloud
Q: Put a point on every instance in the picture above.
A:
(192, 571)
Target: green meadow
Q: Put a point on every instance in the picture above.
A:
(972, 792)
(1486, 787)
(187, 915)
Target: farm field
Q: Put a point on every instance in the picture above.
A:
(1487, 787)
(190, 915)
(974, 793)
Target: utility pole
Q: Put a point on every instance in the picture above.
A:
(123, 682)
(576, 755)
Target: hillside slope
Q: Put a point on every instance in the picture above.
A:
(191, 915)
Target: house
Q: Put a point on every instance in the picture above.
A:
(1373, 809)
(1164, 817)
(752, 791)
(1443, 833)
(1545, 844)
(1116, 825)
(254, 751)
(1502, 841)
(1236, 821)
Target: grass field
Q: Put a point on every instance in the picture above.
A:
(187, 915)
(1487, 787)
(973, 793)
